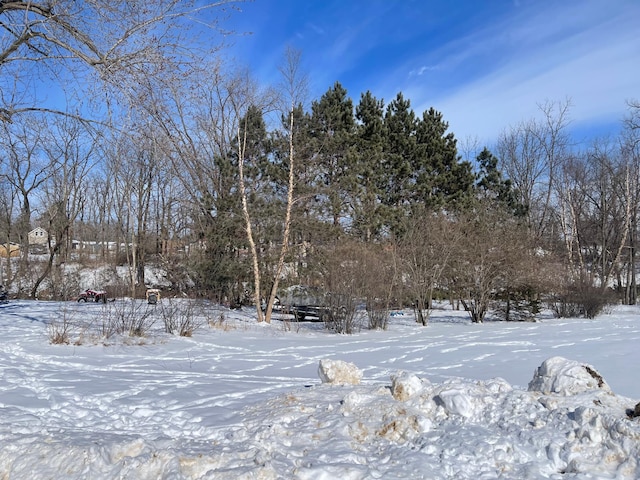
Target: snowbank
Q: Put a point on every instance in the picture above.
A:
(260, 402)
(410, 428)
(455, 429)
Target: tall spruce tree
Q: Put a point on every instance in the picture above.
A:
(400, 150)
(423, 168)
(440, 178)
(333, 126)
(491, 185)
(370, 171)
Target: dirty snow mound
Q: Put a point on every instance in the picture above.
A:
(339, 372)
(566, 377)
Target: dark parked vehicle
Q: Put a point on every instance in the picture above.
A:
(304, 303)
(93, 296)
(313, 312)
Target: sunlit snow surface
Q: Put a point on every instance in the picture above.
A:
(245, 401)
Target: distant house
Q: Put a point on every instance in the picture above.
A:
(37, 236)
(9, 250)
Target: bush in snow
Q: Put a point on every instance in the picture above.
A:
(343, 273)
(181, 318)
(126, 317)
(581, 299)
(59, 329)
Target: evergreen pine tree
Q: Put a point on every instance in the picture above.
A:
(440, 177)
(492, 186)
(332, 129)
(400, 150)
(370, 171)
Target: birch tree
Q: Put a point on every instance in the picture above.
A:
(294, 83)
(630, 152)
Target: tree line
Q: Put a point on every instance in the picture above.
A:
(234, 187)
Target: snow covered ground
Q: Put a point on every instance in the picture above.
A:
(239, 400)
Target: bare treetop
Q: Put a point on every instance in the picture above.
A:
(52, 41)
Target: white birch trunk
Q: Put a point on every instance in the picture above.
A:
(247, 220)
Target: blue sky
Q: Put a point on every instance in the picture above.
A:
(485, 65)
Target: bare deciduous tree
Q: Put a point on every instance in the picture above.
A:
(531, 154)
(425, 251)
(630, 153)
(25, 170)
(493, 256)
(69, 153)
(88, 40)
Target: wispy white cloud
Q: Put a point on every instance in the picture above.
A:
(423, 69)
(316, 28)
(592, 57)
(485, 66)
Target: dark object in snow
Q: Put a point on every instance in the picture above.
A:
(93, 296)
(153, 296)
(315, 312)
(303, 303)
(595, 375)
(4, 295)
(635, 413)
(302, 312)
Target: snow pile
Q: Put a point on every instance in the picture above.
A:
(457, 429)
(338, 372)
(558, 375)
(405, 386)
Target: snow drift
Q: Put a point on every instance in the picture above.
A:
(238, 405)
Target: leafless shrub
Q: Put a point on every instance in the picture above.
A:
(495, 255)
(344, 274)
(378, 318)
(126, 317)
(356, 274)
(182, 318)
(581, 299)
(59, 330)
(424, 253)
(341, 316)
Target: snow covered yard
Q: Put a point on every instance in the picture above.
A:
(242, 400)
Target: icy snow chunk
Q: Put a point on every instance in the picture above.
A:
(352, 401)
(405, 385)
(566, 377)
(498, 386)
(456, 401)
(339, 372)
